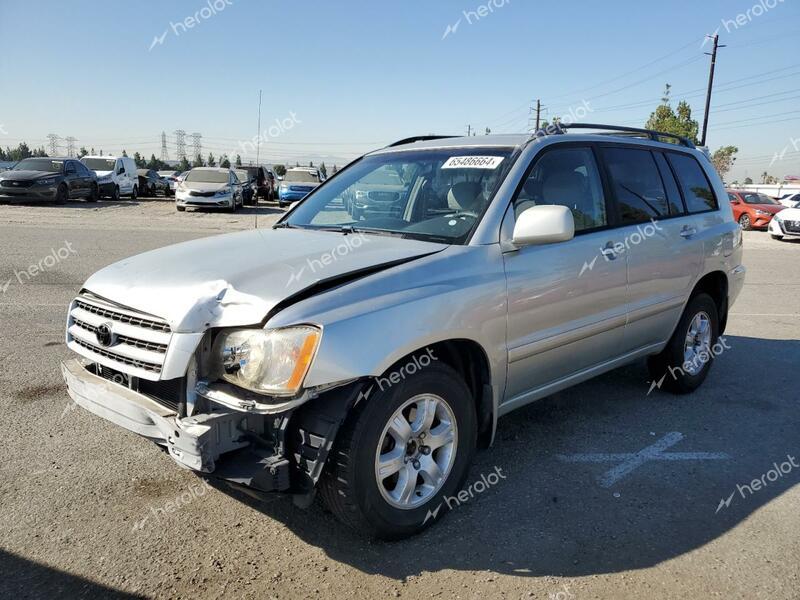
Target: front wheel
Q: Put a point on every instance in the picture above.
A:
(134, 193)
(62, 194)
(94, 194)
(745, 223)
(776, 237)
(684, 364)
(402, 454)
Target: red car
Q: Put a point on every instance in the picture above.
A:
(753, 210)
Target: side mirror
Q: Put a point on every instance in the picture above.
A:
(545, 224)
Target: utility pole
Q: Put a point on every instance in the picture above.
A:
(258, 151)
(538, 113)
(180, 143)
(70, 145)
(164, 155)
(53, 143)
(469, 130)
(713, 55)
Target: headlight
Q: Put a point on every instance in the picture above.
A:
(223, 192)
(763, 212)
(267, 361)
(284, 187)
(48, 181)
(361, 195)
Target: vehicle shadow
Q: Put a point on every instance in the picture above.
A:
(23, 578)
(545, 516)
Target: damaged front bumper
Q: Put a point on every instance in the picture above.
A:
(265, 452)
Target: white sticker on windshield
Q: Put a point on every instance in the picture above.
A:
(473, 162)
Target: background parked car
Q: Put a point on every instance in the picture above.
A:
(249, 187)
(378, 194)
(297, 183)
(209, 187)
(753, 210)
(171, 177)
(116, 175)
(790, 201)
(263, 182)
(49, 179)
(150, 183)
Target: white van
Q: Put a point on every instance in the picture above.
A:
(116, 175)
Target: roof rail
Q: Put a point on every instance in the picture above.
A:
(560, 128)
(419, 138)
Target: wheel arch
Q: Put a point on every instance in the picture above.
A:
(715, 284)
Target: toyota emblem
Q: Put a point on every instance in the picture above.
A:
(104, 335)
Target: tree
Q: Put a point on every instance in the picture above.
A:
(224, 162)
(678, 121)
(335, 169)
(82, 152)
(211, 161)
(723, 159)
(140, 162)
(153, 163)
(488, 131)
(125, 154)
(311, 163)
(297, 163)
(748, 181)
(280, 170)
(238, 161)
(764, 177)
(92, 152)
(184, 165)
(323, 170)
(198, 161)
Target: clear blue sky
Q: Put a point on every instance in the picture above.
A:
(360, 74)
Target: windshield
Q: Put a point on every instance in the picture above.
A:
(243, 176)
(99, 164)
(207, 176)
(301, 176)
(168, 173)
(432, 195)
(39, 164)
(758, 199)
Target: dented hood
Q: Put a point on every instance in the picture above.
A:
(237, 279)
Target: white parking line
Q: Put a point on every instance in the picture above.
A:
(765, 314)
(632, 461)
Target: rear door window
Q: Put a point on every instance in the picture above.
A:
(638, 185)
(697, 191)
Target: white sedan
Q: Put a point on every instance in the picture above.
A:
(785, 224)
(790, 201)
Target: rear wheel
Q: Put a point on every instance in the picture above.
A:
(94, 194)
(684, 364)
(134, 193)
(180, 208)
(745, 222)
(115, 194)
(400, 453)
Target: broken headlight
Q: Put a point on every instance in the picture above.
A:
(267, 361)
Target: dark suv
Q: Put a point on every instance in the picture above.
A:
(49, 179)
(263, 181)
(150, 182)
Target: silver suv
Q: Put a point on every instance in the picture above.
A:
(368, 357)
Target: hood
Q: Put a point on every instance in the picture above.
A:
(770, 208)
(237, 279)
(102, 173)
(202, 186)
(790, 214)
(302, 184)
(27, 175)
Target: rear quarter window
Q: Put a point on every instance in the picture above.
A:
(697, 190)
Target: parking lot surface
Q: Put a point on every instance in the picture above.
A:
(612, 489)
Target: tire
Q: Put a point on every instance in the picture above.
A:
(134, 193)
(282, 204)
(745, 223)
(776, 237)
(180, 208)
(94, 194)
(232, 208)
(671, 369)
(62, 194)
(350, 486)
(115, 194)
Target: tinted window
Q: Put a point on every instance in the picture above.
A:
(568, 177)
(637, 185)
(70, 168)
(733, 197)
(693, 181)
(673, 193)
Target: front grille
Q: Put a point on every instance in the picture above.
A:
(793, 226)
(202, 194)
(378, 196)
(13, 183)
(119, 338)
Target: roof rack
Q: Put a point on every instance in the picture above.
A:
(419, 138)
(560, 128)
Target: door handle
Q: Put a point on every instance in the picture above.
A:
(688, 232)
(608, 251)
